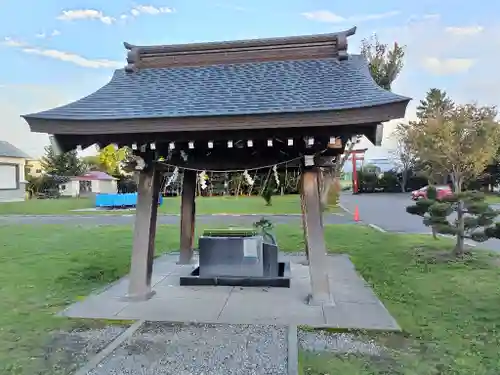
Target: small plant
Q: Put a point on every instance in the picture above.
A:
(267, 194)
(265, 227)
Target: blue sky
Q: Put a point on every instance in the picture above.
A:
(53, 52)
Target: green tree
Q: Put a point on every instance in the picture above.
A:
(461, 145)
(436, 103)
(385, 62)
(110, 158)
(93, 163)
(63, 164)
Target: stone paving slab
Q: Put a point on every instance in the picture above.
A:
(355, 304)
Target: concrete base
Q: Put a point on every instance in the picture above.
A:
(282, 281)
(356, 306)
(138, 297)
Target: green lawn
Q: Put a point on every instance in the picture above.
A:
(493, 198)
(450, 311)
(287, 204)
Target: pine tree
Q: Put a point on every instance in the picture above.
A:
(478, 224)
(63, 164)
(436, 103)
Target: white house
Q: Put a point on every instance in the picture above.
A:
(12, 164)
(90, 183)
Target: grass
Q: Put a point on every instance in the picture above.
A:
(493, 198)
(449, 311)
(287, 204)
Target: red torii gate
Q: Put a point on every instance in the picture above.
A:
(354, 158)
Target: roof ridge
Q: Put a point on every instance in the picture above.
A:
(250, 50)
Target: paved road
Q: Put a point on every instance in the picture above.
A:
(388, 211)
(163, 219)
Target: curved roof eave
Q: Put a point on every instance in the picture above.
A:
(224, 90)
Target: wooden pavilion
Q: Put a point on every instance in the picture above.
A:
(226, 106)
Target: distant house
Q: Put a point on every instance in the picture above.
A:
(89, 184)
(12, 164)
(34, 167)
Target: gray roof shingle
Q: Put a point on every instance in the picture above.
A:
(232, 89)
(10, 151)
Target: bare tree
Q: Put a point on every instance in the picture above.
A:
(403, 155)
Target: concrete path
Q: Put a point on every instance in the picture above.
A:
(225, 330)
(355, 304)
(162, 219)
(388, 211)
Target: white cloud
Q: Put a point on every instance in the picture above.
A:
(10, 42)
(150, 9)
(460, 59)
(44, 35)
(437, 57)
(464, 31)
(73, 58)
(443, 66)
(82, 14)
(330, 17)
(324, 16)
(63, 55)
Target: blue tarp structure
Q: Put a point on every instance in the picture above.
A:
(118, 200)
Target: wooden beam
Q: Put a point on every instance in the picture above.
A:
(320, 287)
(188, 216)
(141, 268)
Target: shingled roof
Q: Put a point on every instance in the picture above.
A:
(10, 151)
(234, 89)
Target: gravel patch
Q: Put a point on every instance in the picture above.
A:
(341, 343)
(66, 351)
(200, 349)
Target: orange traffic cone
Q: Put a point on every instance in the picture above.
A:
(356, 214)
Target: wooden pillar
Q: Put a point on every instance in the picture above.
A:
(355, 186)
(318, 264)
(141, 268)
(303, 210)
(188, 216)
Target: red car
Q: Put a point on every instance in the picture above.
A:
(441, 191)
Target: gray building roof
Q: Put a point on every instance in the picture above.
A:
(231, 89)
(10, 151)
